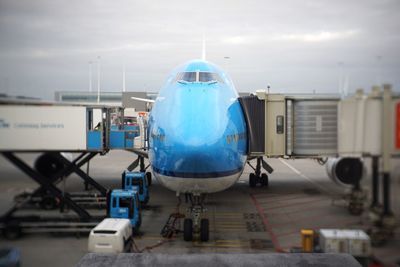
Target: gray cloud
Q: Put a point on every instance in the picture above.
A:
(293, 45)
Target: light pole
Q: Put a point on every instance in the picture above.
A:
(378, 76)
(98, 79)
(90, 76)
(123, 78)
(341, 80)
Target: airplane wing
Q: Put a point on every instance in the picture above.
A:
(143, 99)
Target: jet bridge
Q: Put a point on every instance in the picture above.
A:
(291, 125)
(322, 125)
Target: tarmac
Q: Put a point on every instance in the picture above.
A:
(243, 220)
(228, 260)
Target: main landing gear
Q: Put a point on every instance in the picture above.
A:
(195, 227)
(257, 177)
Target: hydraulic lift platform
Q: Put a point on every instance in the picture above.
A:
(56, 129)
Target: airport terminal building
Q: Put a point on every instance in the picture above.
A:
(109, 98)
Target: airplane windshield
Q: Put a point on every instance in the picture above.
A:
(202, 77)
(206, 77)
(187, 77)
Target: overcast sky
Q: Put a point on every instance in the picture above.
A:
(295, 46)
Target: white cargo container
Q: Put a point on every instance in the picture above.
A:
(332, 241)
(111, 236)
(359, 243)
(41, 128)
(354, 242)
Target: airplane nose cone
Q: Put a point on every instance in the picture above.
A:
(197, 156)
(192, 140)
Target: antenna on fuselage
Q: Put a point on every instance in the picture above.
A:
(203, 55)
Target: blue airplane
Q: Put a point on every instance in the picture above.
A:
(197, 137)
(197, 131)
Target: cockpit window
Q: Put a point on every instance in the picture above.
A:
(206, 77)
(187, 77)
(202, 77)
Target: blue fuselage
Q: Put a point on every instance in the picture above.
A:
(197, 131)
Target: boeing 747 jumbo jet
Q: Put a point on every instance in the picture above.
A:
(197, 137)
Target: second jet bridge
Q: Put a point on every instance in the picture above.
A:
(295, 126)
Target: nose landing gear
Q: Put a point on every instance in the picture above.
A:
(196, 227)
(257, 177)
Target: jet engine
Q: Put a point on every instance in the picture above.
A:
(345, 171)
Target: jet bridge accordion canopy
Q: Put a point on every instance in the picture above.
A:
(254, 111)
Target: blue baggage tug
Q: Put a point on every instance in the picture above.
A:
(125, 204)
(138, 181)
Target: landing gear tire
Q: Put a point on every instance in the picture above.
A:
(264, 179)
(139, 220)
(48, 203)
(356, 202)
(252, 180)
(188, 229)
(48, 165)
(378, 237)
(146, 200)
(148, 176)
(204, 230)
(135, 229)
(12, 232)
(355, 209)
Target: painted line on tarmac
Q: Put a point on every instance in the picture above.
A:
(229, 213)
(148, 238)
(223, 244)
(225, 226)
(231, 225)
(304, 176)
(235, 242)
(231, 230)
(266, 223)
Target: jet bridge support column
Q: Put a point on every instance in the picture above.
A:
(383, 227)
(375, 208)
(375, 182)
(387, 98)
